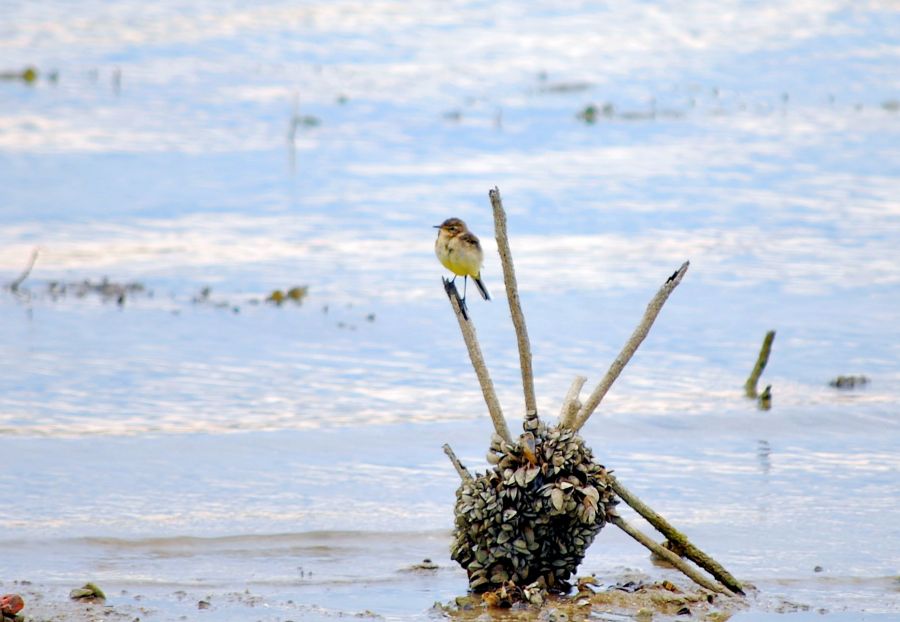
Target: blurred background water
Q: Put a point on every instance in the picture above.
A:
(218, 441)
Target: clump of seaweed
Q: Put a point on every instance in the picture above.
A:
(295, 294)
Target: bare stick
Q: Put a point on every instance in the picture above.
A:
(512, 295)
(484, 378)
(653, 309)
(666, 554)
(761, 360)
(568, 411)
(14, 286)
(673, 535)
(463, 471)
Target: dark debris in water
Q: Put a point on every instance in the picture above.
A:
(294, 294)
(204, 297)
(565, 87)
(426, 566)
(28, 75)
(120, 292)
(105, 289)
(848, 382)
(277, 297)
(591, 113)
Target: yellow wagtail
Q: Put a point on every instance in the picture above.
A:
(460, 252)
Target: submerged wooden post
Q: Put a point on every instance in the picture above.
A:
(761, 360)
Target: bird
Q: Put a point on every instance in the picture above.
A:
(459, 251)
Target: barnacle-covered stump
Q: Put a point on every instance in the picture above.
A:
(530, 518)
(524, 526)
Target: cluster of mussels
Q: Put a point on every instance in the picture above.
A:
(529, 519)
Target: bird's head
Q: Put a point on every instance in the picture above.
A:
(452, 227)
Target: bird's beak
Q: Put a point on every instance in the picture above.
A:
(437, 226)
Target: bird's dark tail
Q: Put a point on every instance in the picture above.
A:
(481, 288)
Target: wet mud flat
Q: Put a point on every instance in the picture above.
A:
(626, 595)
(628, 598)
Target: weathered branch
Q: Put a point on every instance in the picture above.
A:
(512, 295)
(14, 286)
(571, 404)
(462, 470)
(653, 309)
(673, 535)
(481, 371)
(761, 360)
(666, 554)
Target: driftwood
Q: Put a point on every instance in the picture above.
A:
(484, 378)
(525, 460)
(653, 309)
(666, 554)
(682, 544)
(512, 295)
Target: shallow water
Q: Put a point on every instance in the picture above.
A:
(219, 444)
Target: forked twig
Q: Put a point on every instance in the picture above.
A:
(653, 309)
(571, 405)
(481, 371)
(512, 296)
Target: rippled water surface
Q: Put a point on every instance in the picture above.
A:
(212, 442)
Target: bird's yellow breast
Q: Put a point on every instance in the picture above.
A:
(458, 258)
